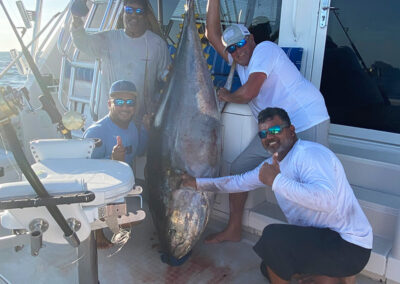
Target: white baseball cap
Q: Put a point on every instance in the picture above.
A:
(234, 34)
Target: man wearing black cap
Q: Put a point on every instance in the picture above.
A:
(269, 79)
(120, 138)
(136, 53)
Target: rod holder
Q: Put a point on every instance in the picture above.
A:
(36, 242)
(37, 227)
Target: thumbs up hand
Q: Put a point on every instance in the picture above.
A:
(118, 152)
(268, 172)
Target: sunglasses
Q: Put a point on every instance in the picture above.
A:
(121, 102)
(272, 130)
(232, 48)
(129, 10)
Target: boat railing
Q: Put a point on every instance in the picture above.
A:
(17, 57)
(72, 63)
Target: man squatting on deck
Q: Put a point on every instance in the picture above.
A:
(268, 78)
(120, 137)
(134, 53)
(328, 234)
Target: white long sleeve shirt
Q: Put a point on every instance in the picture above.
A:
(312, 190)
(124, 58)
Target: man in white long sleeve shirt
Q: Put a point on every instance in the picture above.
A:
(328, 234)
(134, 53)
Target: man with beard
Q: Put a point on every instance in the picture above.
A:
(121, 140)
(136, 53)
(268, 79)
(328, 235)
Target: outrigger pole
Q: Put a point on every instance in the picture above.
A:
(349, 39)
(11, 64)
(46, 99)
(160, 12)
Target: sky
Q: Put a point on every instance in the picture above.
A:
(374, 30)
(7, 36)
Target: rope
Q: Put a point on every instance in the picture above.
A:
(120, 239)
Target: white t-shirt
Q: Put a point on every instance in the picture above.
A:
(284, 87)
(312, 190)
(124, 58)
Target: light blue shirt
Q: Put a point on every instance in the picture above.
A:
(108, 131)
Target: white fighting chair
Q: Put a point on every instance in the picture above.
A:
(64, 167)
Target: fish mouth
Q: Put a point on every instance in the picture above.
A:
(188, 216)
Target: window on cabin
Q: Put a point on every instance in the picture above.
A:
(361, 72)
(261, 15)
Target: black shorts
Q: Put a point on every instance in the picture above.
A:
(290, 249)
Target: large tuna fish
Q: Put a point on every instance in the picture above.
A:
(185, 138)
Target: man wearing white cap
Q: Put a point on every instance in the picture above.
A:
(269, 79)
(121, 140)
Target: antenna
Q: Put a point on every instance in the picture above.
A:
(24, 14)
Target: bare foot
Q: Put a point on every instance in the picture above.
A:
(224, 236)
(101, 240)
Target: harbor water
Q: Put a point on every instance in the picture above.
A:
(12, 78)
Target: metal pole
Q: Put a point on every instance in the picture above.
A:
(87, 264)
(36, 27)
(160, 13)
(28, 45)
(50, 34)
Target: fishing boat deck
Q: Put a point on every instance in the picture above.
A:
(139, 261)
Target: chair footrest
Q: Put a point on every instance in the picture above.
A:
(135, 191)
(134, 218)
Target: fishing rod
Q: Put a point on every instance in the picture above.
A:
(384, 96)
(46, 99)
(349, 39)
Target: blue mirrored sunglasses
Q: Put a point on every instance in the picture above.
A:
(129, 10)
(232, 48)
(121, 102)
(272, 131)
